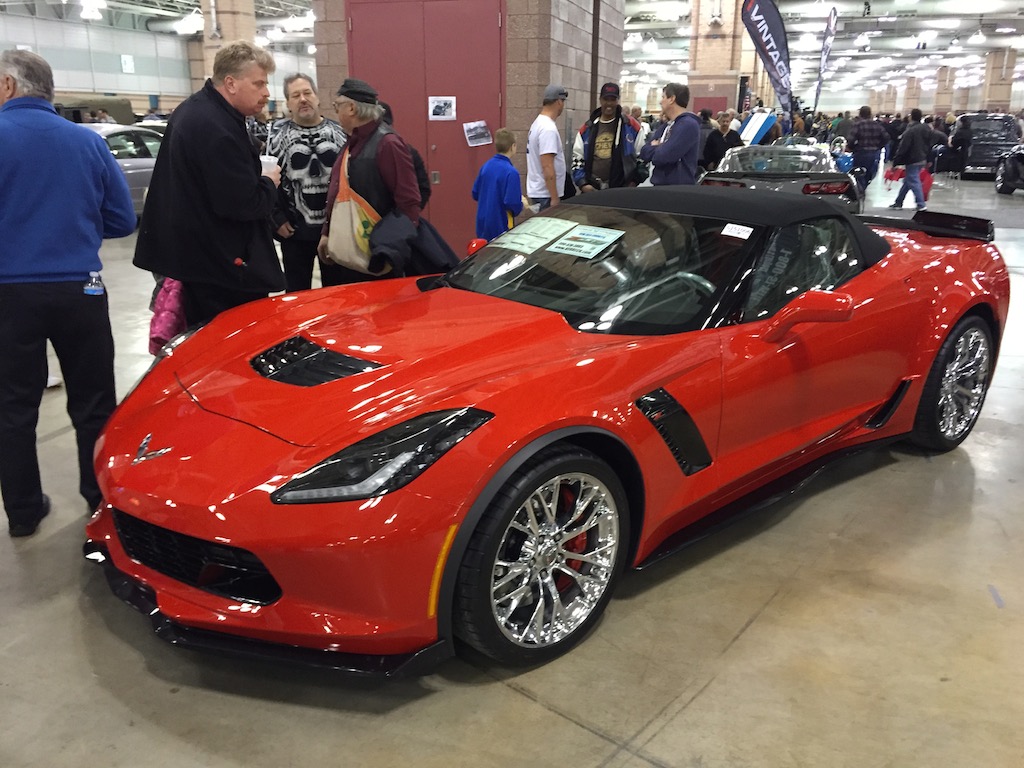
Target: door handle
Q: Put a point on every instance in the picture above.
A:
(435, 177)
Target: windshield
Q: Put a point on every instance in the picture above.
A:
(608, 270)
(993, 129)
(795, 159)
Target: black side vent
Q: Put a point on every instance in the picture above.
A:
(888, 408)
(303, 363)
(677, 429)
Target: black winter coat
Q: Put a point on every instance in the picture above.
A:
(207, 214)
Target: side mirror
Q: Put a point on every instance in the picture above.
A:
(475, 245)
(813, 306)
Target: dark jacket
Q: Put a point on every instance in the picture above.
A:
(718, 144)
(408, 248)
(624, 168)
(915, 144)
(207, 214)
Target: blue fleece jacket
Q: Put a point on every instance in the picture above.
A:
(675, 158)
(499, 197)
(61, 193)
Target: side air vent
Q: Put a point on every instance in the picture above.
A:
(677, 429)
(303, 363)
(885, 411)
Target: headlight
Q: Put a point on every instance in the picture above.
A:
(384, 462)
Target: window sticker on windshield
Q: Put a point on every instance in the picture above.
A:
(586, 242)
(533, 234)
(737, 230)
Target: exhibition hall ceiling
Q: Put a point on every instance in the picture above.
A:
(878, 42)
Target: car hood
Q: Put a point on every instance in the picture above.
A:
(423, 350)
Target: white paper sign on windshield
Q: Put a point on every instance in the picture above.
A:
(737, 230)
(533, 234)
(586, 242)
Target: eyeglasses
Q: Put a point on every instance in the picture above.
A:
(339, 103)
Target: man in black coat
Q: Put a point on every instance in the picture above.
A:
(207, 217)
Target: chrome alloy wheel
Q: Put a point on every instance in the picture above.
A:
(964, 383)
(555, 560)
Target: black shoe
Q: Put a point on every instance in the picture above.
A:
(896, 205)
(18, 530)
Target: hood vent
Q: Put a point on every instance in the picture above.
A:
(303, 363)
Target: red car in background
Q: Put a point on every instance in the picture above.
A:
(365, 476)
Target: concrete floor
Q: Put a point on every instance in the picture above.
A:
(875, 619)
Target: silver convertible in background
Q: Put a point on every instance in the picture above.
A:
(135, 148)
(796, 169)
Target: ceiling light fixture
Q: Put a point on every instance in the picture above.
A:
(191, 24)
(977, 38)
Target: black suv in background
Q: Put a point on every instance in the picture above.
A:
(992, 135)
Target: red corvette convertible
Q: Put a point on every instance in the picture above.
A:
(368, 476)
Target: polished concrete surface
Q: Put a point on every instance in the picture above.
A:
(874, 619)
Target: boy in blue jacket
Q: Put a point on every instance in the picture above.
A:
(497, 189)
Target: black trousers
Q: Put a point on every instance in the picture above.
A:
(204, 301)
(299, 256)
(78, 326)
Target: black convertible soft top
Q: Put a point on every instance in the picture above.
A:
(739, 206)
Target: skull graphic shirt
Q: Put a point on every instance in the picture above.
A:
(305, 156)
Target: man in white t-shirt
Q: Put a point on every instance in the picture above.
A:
(545, 158)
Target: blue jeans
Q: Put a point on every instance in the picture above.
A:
(544, 202)
(912, 181)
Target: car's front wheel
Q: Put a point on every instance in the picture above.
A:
(1003, 186)
(956, 386)
(539, 569)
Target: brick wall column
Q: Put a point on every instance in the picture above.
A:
(889, 100)
(716, 51)
(998, 80)
(233, 20)
(944, 78)
(330, 35)
(912, 95)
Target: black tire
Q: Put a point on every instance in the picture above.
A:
(1003, 186)
(955, 389)
(514, 578)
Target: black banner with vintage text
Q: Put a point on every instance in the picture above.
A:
(764, 23)
(826, 49)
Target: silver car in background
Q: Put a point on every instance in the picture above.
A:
(135, 149)
(795, 169)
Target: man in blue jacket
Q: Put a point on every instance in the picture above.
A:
(673, 147)
(62, 194)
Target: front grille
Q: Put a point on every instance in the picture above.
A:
(304, 363)
(226, 571)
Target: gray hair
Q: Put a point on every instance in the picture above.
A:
(30, 72)
(366, 111)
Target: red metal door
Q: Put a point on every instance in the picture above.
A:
(460, 45)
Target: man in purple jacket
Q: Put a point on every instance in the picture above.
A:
(673, 147)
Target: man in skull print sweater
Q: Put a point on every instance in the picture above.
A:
(306, 147)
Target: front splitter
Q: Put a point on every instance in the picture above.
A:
(143, 599)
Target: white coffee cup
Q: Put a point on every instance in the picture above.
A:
(267, 162)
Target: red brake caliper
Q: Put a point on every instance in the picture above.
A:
(577, 543)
